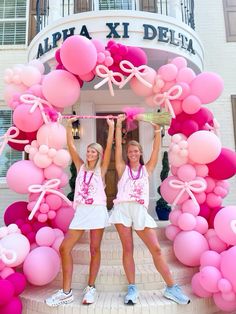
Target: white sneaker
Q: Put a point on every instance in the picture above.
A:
(59, 298)
(90, 295)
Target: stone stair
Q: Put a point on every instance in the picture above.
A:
(111, 282)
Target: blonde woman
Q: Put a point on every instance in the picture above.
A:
(91, 214)
(130, 211)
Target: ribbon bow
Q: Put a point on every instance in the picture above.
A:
(8, 137)
(173, 93)
(36, 102)
(196, 186)
(138, 72)
(47, 187)
(7, 256)
(108, 77)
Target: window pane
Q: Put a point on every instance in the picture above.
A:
(115, 4)
(9, 155)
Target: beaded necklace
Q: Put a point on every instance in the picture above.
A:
(135, 177)
(89, 180)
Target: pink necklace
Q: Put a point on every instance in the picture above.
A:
(135, 177)
(89, 180)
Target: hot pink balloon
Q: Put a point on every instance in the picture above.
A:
(22, 174)
(26, 121)
(61, 88)
(203, 147)
(19, 282)
(136, 56)
(15, 211)
(78, 54)
(7, 291)
(63, 218)
(13, 307)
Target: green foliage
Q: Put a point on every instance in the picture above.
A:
(72, 181)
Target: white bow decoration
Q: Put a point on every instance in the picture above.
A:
(36, 102)
(108, 77)
(7, 256)
(196, 186)
(173, 93)
(8, 137)
(48, 187)
(133, 71)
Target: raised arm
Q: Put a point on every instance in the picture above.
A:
(107, 152)
(120, 164)
(151, 164)
(71, 145)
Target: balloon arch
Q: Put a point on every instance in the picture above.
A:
(196, 187)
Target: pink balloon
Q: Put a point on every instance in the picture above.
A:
(191, 104)
(62, 158)
(53, 172)
(201, 170)
(224, 285)
(185, 251)
(61, 88)
(13, 307)
(177, 106)
(19, 282)
(211, 183)
(201, 225)
(174, 216)
(171, 232)
(205, 211)
(139, 88)
(7, 291)
(213, 200)
(45, 236)
(207, 86)
(209, 277)
(26, 121)
(41, 266)
(170, 194)
(42, 160)
(216, 244)
(57, 243)
(223, 304)
(63, 218)
(168, 72)
(22, 174)
(30, 75)
(187, 222)
(7, 271)
(18, 243)
(185, 75)
(198, 288)
(53, 135)
(78, 54)
(203, 147)
(179, 62)
(186, 173)
(185, 90)
(210, 258)
(54, 201)
(225, 224)
(190, 207)
(38, 65)
(224, 166)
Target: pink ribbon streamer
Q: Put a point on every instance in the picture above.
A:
(173, 93)
(8, 137)
(7, 256)
(133, 71)
(108, 77)
(36, 102)
(47, 187)
(196, 186)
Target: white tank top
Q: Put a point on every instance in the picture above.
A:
(133, 189)
(89, 188)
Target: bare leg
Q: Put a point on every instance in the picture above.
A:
(95, 252)
(149, 237)
(126, 237)
(66, 247)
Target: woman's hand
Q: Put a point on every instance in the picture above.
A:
(120, 119)
(70, 121)
(110, 122)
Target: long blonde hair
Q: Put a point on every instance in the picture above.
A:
(135, 143)
(99, 149)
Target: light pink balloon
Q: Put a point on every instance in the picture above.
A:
(62, 158)
(19, 244)
(174, 216)
(54, 201)
(168, 72)
(203, 147)
(191, 104)
(53, 135)
(6, 271)
(224, 285)
(201, 225)
(30, 75)
(179, 62)
(211, 183)
(10, 91)
(187, 222)
(224, 305)
(26, 121)
(198, 288)
(225, 224)
(22, 174)
(57, 243)
(64, 180)
(190, 207)
(38, 65)
(216, 244)
(170, 194)
(61, 88)
(41, 266)
(207, 86)
(201, 170)
(185, 75)
(42, 160)
(185, 90)
(78, 54)
(185, 251)
(209, 277)
(53, 172)
(213, 200)
(45, 236)
(200, 197)
(186, 173)
(210, 258)
(171, 232)
(139, 88)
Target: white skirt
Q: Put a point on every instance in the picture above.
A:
(88, 217)
(132, 214)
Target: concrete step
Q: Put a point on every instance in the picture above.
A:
(149, 302)
(112, 278)
(112, 254)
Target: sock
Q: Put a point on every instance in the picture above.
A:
(67, 292)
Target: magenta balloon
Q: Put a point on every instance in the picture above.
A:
(13, 307)
(63, 218)
(22, 174)
(188, 127)
(7, 291)
(78, 55)
(25, 120)
(57, 56)
(19, 282)
(211, 218)
(17, 210)
(203, 116)
(136, 56)
(224, 166)
(205, 211)
(41, 266)
(61, 88)
(22, 136)
(207, 86)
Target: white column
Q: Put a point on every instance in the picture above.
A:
(175, 9)
(54, 11)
